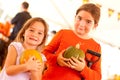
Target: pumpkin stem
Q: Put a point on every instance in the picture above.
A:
(77, 46)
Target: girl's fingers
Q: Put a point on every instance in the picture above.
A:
(73, 62)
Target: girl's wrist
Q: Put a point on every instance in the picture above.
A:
(25, 66)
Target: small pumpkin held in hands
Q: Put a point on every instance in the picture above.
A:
(74, 51)
(29, 53)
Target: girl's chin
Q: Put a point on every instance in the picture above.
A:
(33, 42)
(80, 32)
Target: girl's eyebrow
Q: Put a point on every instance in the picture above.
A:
(85, 18)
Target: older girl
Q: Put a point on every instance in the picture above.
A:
(86, 19)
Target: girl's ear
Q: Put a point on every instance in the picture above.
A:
(74, 17)
(95, 26)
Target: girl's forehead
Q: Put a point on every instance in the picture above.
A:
(40, 24)
(37, 25)
(85, 14)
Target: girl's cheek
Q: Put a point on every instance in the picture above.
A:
(76, 24)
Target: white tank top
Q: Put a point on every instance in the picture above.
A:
(20, 76)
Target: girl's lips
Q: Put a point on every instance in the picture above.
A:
(32, 39)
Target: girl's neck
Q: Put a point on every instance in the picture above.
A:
(86, 36)
(28, 46)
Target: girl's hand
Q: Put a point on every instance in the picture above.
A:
(37, 75)
(33, 64)
(77, 64)
(61, 60)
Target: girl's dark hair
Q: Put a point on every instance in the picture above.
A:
(93, 9)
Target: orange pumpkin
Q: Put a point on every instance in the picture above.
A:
(29, 53)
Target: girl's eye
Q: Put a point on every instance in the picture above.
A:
(39, 33)
(88, 21)
(79, 18)
(31, 30)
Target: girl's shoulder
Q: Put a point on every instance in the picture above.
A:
(18, 46)
(65, 31)
(15, 43)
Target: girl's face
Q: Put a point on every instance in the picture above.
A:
(84, 22)
(34, 34)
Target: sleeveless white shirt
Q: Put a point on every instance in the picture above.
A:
(21, 76)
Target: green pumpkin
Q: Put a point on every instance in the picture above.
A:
(73, 51)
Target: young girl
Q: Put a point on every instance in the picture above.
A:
(86, 19)
(31, 36)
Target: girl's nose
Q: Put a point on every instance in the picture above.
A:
(34, 34)
(82, 23)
